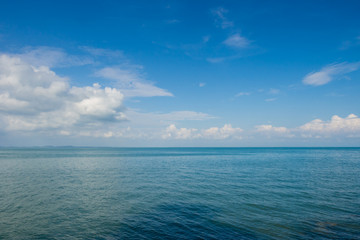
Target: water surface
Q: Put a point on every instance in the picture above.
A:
(180, 193)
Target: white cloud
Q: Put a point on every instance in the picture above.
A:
(220, 18)
(329, 73)
(180, 133)
(24, 88)
(227, 131)
(240, 94)
(237, 41)
(36, 98)
(202, 84)
(348, 127)
(271, 129)
(222, 59)
(344, 126)
(131, 82)
(98, 103)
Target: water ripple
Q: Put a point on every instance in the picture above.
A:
(176, 193)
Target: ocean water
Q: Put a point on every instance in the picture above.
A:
(180, 193)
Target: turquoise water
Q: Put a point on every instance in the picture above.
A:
(180, 193)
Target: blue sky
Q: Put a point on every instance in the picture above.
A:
(180, 73)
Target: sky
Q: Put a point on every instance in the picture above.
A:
(180, 73)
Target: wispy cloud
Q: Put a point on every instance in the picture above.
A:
(102, 52)
(271, 91)
(202, 84)
(237, 41)
(58, 58)
(240, 94)
(274, 91)
(131, 82)
(51, 57)
(172, 21)
(206, 39)
(329, 73)
(350, 43)
(216, 59)
(220, 18)
(222, 59)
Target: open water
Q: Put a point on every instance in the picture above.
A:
(179, 193)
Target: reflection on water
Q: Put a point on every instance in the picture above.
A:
(182, 193)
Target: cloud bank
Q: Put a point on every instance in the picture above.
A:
(36, 100)
(348, 127)
(227, 131)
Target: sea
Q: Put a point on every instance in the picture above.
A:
(179, 193)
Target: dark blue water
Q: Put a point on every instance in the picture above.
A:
(180, 193)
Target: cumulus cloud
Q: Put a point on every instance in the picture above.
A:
(131, 82)
(348, 126)
(34, 98)
(29, 89)
(317, 128)
(180, 133)
(272, 131)
(329, 73)
(227, 131)
(237, 41)
(270, 128)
